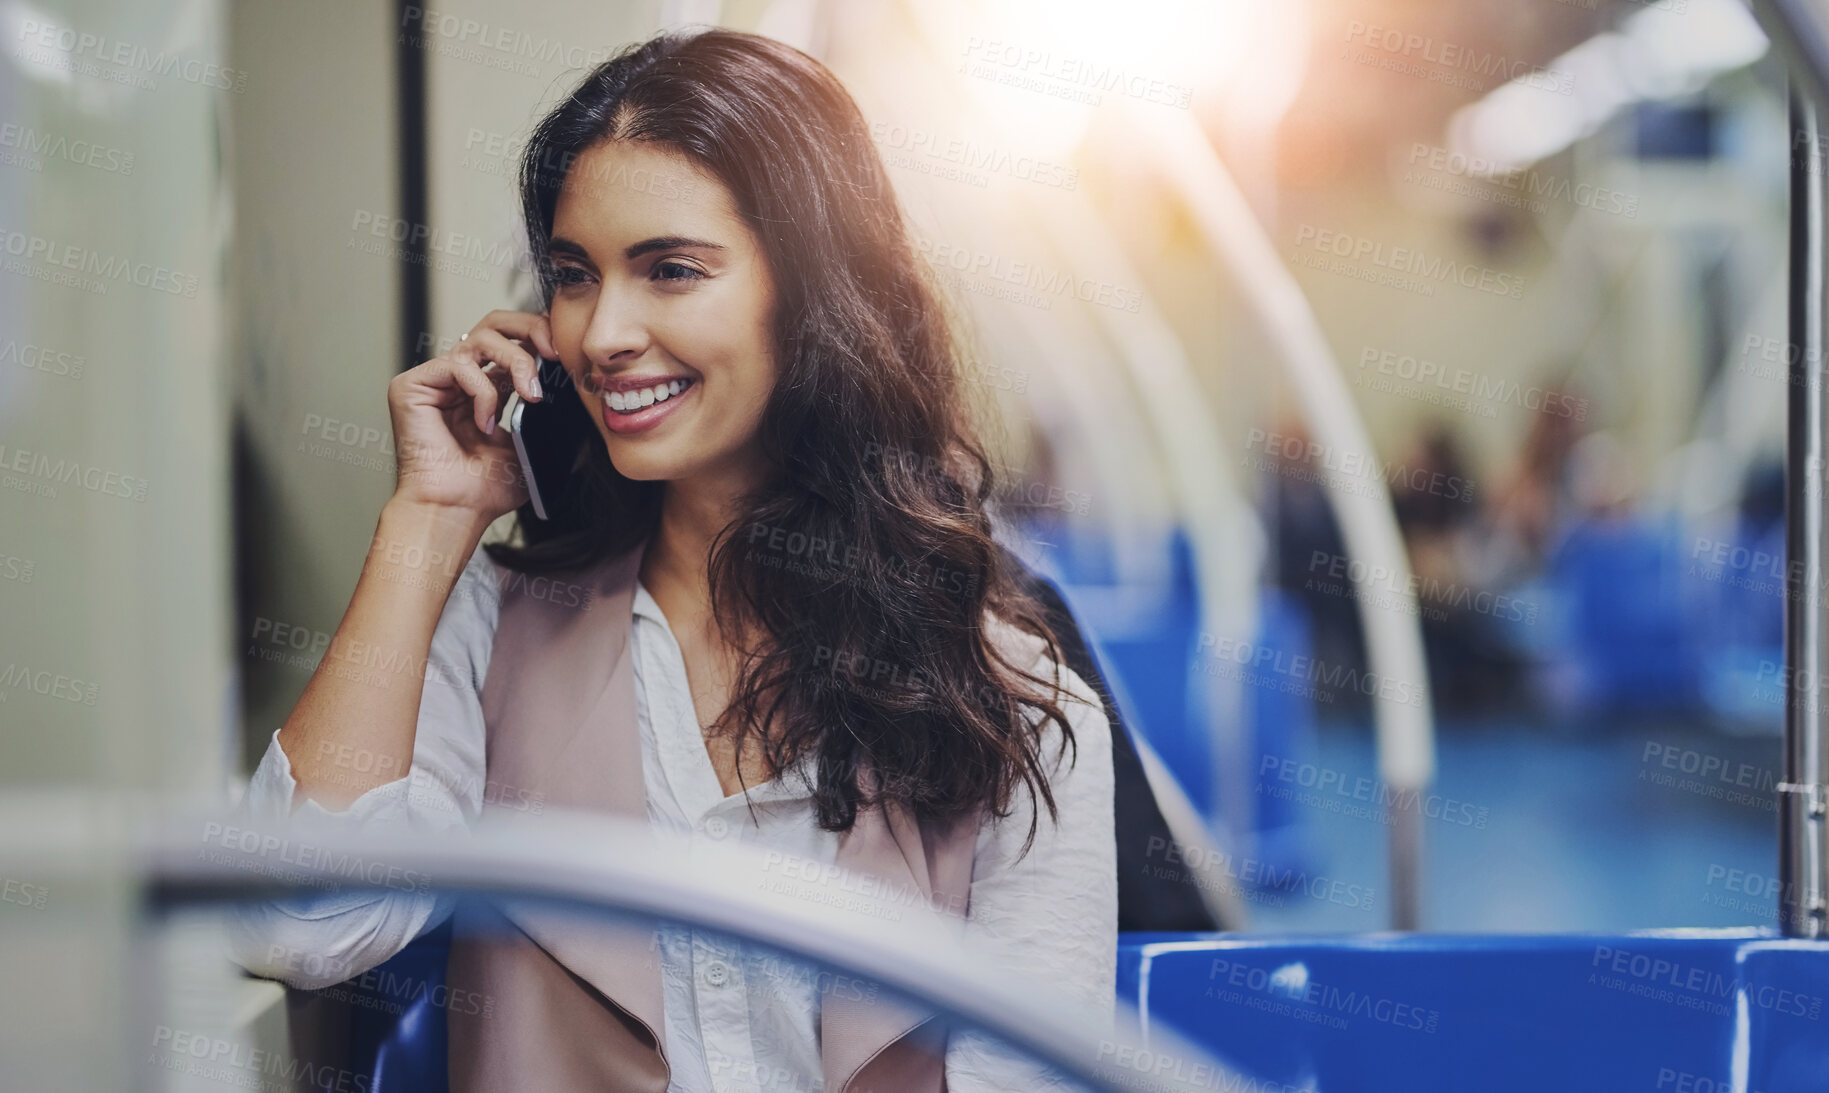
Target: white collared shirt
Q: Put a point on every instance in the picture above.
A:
(738, 1019)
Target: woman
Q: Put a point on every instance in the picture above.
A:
(781, 520)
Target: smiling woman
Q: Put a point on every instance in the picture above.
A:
(787, 600)
(693, 287)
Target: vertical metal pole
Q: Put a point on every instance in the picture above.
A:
(1407, 867)
(410, 53)
(1803, 865)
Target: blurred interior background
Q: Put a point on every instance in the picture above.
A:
(1529, 252)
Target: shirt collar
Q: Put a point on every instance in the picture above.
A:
(786, 787)
(645, 607)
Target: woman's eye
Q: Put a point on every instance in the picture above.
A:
(564, 276)
(676, 271)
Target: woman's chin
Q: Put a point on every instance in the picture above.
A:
(639, 463)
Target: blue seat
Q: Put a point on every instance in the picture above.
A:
(1696, 1011)
(1628, 644)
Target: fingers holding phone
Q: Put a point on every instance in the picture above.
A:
(511, 339)
(449, 450)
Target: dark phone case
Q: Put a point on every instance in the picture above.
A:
(552, 432)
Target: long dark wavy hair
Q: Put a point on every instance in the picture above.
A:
(866, 564)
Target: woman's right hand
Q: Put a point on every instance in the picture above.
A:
(449, 450)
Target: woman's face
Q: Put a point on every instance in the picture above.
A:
(662, 312)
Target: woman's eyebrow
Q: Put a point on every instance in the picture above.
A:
(558, 244)
(668, 242)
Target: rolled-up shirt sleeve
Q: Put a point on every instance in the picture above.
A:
(1053, 915)
(321, 938)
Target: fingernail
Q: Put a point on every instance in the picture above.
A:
(489, 426)
(535, 388)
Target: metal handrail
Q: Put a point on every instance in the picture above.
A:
(619, 867)
(1364, 510)
(1803, 795)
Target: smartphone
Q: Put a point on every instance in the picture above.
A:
(549, 436)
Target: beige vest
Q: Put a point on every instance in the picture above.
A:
(576, 1005)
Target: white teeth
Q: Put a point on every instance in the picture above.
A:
(628, 402)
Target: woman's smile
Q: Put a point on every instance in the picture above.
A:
(635, 409)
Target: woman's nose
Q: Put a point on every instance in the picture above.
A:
(617, 329)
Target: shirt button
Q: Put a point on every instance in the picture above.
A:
(717, 827)
(717, 974)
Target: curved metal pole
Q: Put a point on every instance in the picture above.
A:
(606, 864)
(1223, 534)
(1368, 523)
(1800, 38)
(1803, 865)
